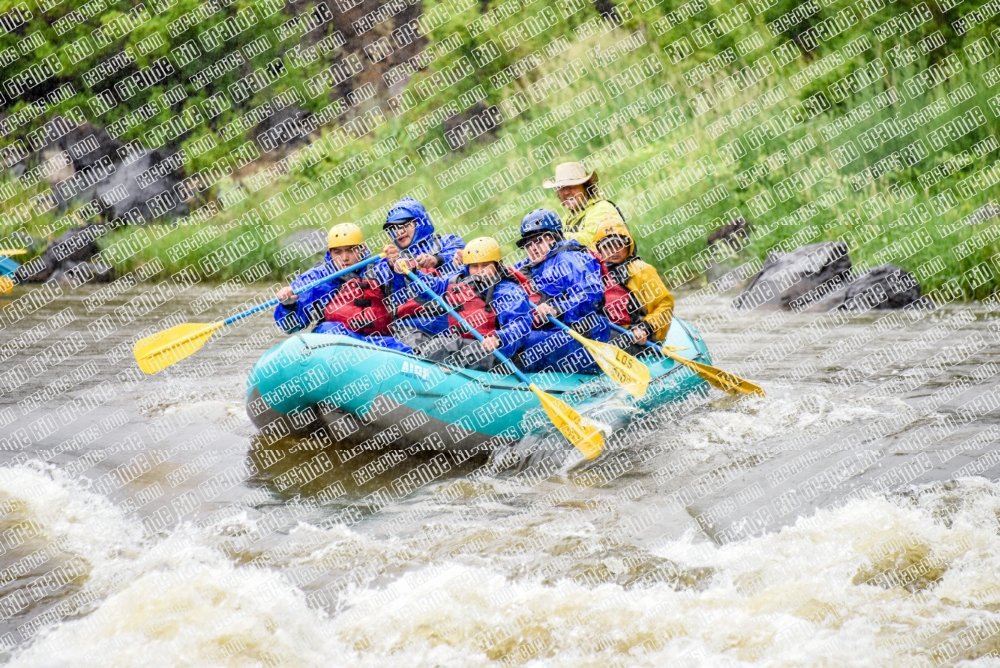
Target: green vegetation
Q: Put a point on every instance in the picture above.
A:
(661, 146)
(129, 67)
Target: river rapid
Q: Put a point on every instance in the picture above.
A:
(848, 518)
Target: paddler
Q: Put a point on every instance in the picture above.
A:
(635, 296)
(489, 296)
(577, 189)
(414, 239)
(352, 305)
(566, 277)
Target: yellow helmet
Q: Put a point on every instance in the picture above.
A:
(343, 235)
(483, 249)
(614, 229)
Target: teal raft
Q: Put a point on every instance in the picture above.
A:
(373, 398)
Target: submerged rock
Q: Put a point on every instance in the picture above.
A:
(885, 287)
(820, 277)
(788, 277)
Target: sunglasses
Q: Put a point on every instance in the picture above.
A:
(402, 225)
(536, 241)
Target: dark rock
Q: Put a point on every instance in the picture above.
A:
(75, 274)
(885, 287)
(91, 151)
(735, 234)
(390, 74)
(287, 127)
(121, 194)
(100, 170)
(77, 244)
(606, 8)
(795, 276)
(37, 270)
(89, 144)
(70, 259)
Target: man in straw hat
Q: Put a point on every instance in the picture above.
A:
(576, 188)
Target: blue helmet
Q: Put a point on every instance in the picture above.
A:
(538, 222)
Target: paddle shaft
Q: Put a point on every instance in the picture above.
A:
(472, 330)
(716, 377)
(274, 302)
(569, 330)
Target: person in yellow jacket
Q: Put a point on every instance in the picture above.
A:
(587, 210)
(635, 296)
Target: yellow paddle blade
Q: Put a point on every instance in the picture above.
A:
(12, 251)
(621, 367)
(157, 352)
(6, 285)
(718, 378)
(587, 439)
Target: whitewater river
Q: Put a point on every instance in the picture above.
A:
(847, 519)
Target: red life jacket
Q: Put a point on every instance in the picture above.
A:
(411, 307)
(472, 308)
(616, 302)
(357, 305)
(619, 305)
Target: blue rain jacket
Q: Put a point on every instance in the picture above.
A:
(569, 279)
(510, 304)
(309, 307)
(425, 241)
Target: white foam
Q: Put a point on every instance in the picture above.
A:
(803, 596)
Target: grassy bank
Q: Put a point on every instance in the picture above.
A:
(679, 169)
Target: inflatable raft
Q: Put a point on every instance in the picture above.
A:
(363, 396)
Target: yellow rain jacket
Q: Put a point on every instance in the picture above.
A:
(582, 225)
(649, 303)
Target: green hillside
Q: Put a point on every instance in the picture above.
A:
(883, 134)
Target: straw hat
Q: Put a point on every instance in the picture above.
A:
(570, 174)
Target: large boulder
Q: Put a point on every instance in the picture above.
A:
(88, 144)
(789, 277)
(155, 196)
(98, 170)
(885, 287)
(820, 277)
(69, 259)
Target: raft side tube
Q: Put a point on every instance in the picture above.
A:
(371, 397)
